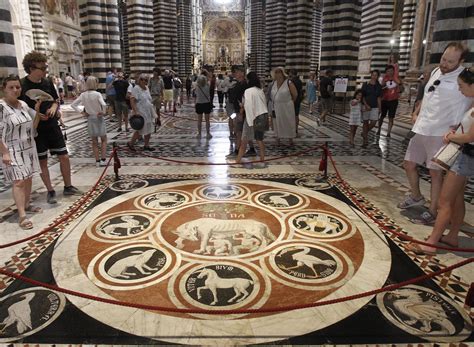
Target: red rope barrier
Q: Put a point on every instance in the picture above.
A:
(219, 312)
(228, 164)
(78, 204)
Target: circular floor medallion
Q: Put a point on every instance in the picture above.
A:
(313, 183)
(163, 200)
(131, 266)
(281, 200)
(128, 185)
(425, 313)
(120, 226)
(229, 246)
(321, 225)
(28, 311)
(222, 191)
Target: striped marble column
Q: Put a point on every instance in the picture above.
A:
(8, 64)
(316, 37)
(298, 35)
(124, 41)
(258, 61)
(100, 37)
(375, 35)
(196, 31)
(184, 38)
(40, 37)
(275, 33)
(166, 33)
(454, 22)
(406, 34)
(140, 35)
(340, 41)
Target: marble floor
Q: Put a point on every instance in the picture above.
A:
(183, 249)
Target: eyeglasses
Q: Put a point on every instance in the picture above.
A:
(433, 86)
(44, 68)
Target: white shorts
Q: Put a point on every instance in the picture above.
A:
(373, 114)
(422, 149)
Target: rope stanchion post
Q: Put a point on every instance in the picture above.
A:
(117, 164)
(323, 164)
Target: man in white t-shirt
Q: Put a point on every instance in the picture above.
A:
(442, 108)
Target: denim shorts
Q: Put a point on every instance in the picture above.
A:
(464, 165)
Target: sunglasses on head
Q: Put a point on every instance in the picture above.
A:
(433, 86)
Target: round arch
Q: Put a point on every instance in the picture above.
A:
(223, 42)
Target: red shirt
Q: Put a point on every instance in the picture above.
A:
(390, 89)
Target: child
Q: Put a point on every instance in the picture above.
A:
(355, 117)
(94, 109)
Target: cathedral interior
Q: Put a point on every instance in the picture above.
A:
(176, 246)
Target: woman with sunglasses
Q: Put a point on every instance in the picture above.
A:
(451, 209)
(18, 148)
(142, 105)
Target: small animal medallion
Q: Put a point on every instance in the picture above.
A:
(423, 312)
(26, 311)
(318, 223)
(128, 185)
(305, 262)
(313, 183)
(219, 285)
(279, 199)
(135, 263)
(222, 192)
(123, 226)
(164, 200)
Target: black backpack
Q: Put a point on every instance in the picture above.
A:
(177, 83)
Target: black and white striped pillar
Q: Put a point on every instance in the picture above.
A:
(316, 34)
(275, 33)
(340, 41)
(8, 63)
(140, 35)
(40, 37)
(258, 61)
(454, 22)
(184, 38)
(406, 34)
(165, 27)
(375, 36)
(100, 37)
(124, 42)
(196, 31)
(298, 35)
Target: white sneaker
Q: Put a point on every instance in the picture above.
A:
(103, 163)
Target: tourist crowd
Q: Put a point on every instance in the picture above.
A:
(30, 122)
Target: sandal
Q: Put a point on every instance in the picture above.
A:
(416, 248)
(426, 218)
(25, 223)
(34, 209)
(445, 243)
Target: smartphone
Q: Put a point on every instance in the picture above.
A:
(233, 115)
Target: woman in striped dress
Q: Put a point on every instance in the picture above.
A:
(18, 148)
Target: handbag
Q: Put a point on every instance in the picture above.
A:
(447, 155)
(260, 123)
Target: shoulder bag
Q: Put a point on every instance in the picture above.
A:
(448, 154)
